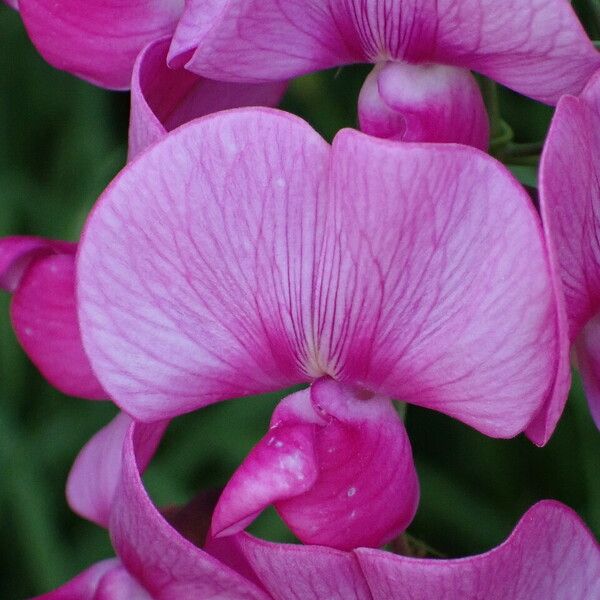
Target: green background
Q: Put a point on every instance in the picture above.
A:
(61, 141)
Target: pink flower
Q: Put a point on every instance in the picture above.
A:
(570, 205)
(242, 254)
(420, 88)
(41, 275)
(550, 554)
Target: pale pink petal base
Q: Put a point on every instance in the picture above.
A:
(337, 465)
(423, 103)
(164, 98)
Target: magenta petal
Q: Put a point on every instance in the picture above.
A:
(118, 584)
(550, 554)
(423, 103)
(444, 283)
(337, 466)
(95, 474)
(97, 40)
(197, 287)
(85, 585)
(17, 252)
(44, 316)
(587, 351)
(164, 98)
(293, 571)
(13, 3)
(168, 566)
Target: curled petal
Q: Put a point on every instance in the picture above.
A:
(85, 585)
(164, 98)
(538, 48)
(95, 474)
(164, 562)
(294, 571)
(423, 103)
(587, 350)
(97, 40)
(44, 316)
(17, 252)
(550, 554)
(337, 466)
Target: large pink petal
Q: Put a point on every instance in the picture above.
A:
(436, 288)
(97, 40)
(423, 103)
(95, 474)
(349, 482)
(292, 571)
(44, 316)
(164, 98)
(168, 566)
(195, 267)
(537, 47)
(550, 554)
(588, 362)
(16, 252)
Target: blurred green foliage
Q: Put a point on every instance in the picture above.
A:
(62, 141)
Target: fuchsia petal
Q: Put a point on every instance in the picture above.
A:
(164, 98)
(349, 482)
(169, 567)
(195, 267)
(570, 201)
(13, 3)
(537, 47)
(423, 103)
(97, 40)
(44, 316)
(85, 585)
(550, 554)
(443, 283)
(95, 474)
(289, 571)
(588, 362)
(17, 252)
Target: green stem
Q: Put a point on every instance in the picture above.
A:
(492, 102)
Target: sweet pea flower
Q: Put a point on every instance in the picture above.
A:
(550, 553)
(40, 274)
(421, 88)
(242, 254)
(570, 205)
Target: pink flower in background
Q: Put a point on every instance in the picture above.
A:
(420, 88)
(242, 254)
(41, 275)
(570, 205)
(550, 554)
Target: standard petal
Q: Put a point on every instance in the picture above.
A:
(336, 464)
(537, 47)
(570, 201)
(435, 287)
(167, 565)
(550, 554)
(97, 40)
(293, 571)
(16, 252)
(95, 474)
(587, 350)
(423, 103)
(195, 267)
(44, 316)
(85, 585)
(164, 98)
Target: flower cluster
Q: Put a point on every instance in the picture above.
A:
(238, 253)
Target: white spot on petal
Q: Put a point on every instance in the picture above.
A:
(280, 182)
(351, 492)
